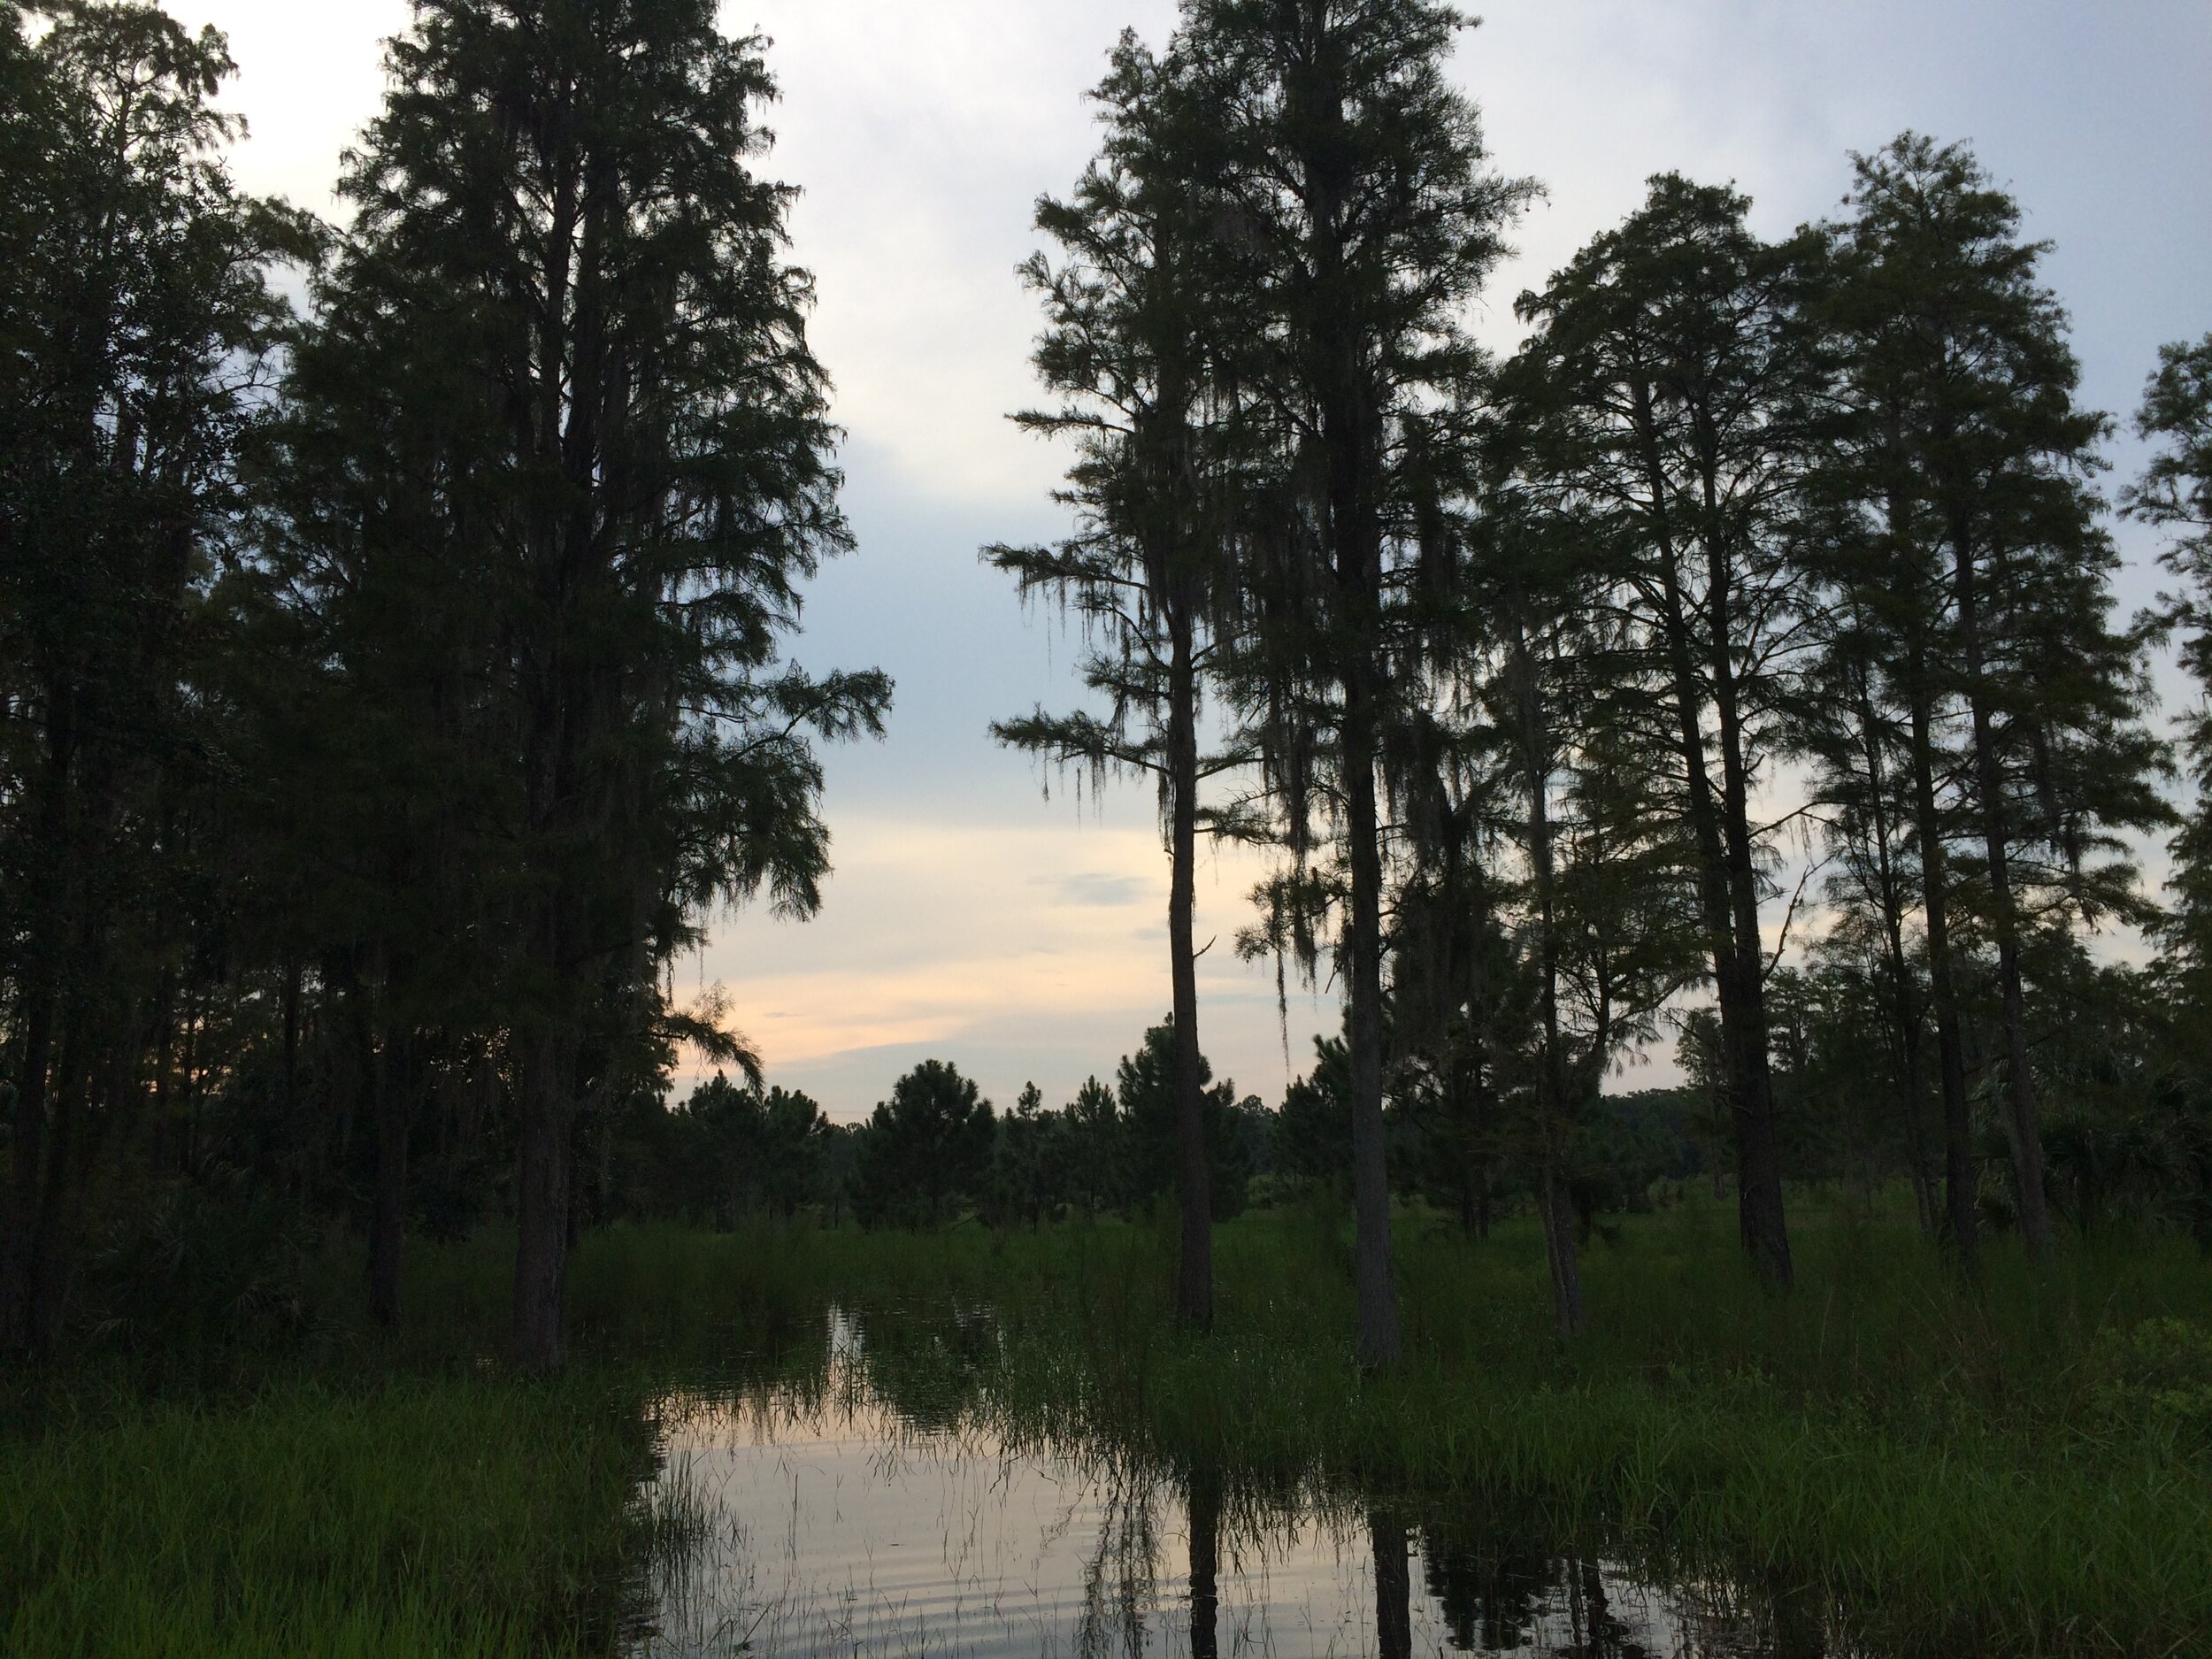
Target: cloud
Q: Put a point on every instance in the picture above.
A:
(1095, 887)
(970, 919)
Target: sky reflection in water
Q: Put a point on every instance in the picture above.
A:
(831, 1523)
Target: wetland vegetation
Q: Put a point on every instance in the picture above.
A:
(397, 621)
(1890, 1462)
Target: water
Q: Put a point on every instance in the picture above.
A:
(827, 1519)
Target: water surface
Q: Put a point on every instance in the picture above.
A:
(824, 1518)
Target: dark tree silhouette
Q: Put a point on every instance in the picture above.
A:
(562, 196)
(136, 330)
(1669, 377)
(1126, 342)
(1357, 217)
(1973, 471)
(2175, 492)
(927, 1149)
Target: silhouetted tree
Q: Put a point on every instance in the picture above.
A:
(926, 1151)
(1669, 375)
(1357, 217)
(1126, 343)
(136, 330)
(2175, 492)
(1974, 462)
(1145, 1087)
(559, 197)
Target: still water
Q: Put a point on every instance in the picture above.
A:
(827, 1519)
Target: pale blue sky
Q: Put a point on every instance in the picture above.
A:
(970, 918)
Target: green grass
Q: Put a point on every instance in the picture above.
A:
(2023, 1464)
(455, 1516)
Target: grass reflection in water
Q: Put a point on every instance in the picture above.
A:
(877, 1507)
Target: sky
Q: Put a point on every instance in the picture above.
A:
(985, 913)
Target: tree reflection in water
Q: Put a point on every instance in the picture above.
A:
(878, 1501)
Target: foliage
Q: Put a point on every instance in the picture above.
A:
(927, 1149)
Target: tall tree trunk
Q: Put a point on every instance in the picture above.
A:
(1195, 1274)
(1560, 1249)
(387, 1222)
(1738, 983)
(1555, 1208)
(1727, 895)
(1758, 1148)
(542, 1204)
(2020, 1127)
(295, 1113)
(1962, 1221)
(1896, 965)
(1379, 1342)
(41, 1011)
(1352, 444)
(27, 1159)
(52, 1255)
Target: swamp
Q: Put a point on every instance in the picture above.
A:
(1292, 828)
(787, 1441)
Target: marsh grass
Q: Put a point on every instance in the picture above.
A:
(462, 1515)
(2020, 1464)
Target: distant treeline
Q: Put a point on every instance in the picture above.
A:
(937, 1153)
(395, 679)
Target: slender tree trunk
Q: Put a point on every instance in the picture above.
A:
(2020, 1127)
(1738, 984)
(27, 1159)
(1194, 1276)
(541, 1204)
(387, 1222)
(296, 1115)
(1727, 895)
(1337, 343)
(1555, 1207)
(1758, 1149)
(52, 1255)
(40, 1012)
(1475, 1178)
(1357, 554)
(1897, 965)
(1961, 1218)
(1560, 1247)
(1379, 1342)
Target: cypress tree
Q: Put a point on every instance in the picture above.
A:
(1669, 378)
(1975, 480)
(1356, 216)
(1126, 342)
(558, 204)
